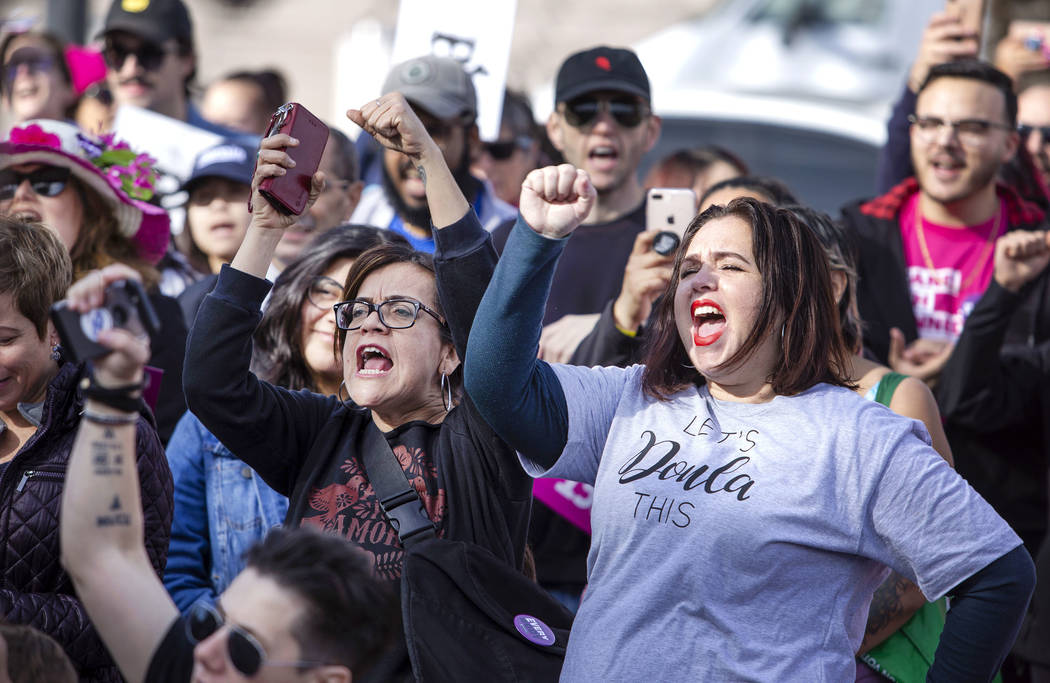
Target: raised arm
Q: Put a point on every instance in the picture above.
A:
(981, 386)
(101, 527)
(464, 256)
(518, 395)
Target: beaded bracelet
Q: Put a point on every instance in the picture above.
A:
(109, 420)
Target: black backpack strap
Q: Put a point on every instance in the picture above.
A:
(398, 498)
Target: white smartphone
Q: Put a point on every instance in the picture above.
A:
(670, 208)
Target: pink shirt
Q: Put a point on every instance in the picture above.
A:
(963, 261)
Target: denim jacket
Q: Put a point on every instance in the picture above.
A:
(222, 507)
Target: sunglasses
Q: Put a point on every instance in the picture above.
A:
(1026, 130)
(626, 111)
(148, 55)
(501, 150)
(46, 182)
(35, 62)
(245, 652)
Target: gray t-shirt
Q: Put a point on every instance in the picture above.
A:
(736, 541)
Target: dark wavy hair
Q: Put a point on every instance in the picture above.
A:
(841, 258)
(796, 298)
(278, 345)
(349, 617)
(387, 255)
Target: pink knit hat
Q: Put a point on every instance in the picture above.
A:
(122, 178)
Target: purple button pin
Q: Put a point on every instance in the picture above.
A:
(534, 630)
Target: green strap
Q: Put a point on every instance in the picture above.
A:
(887, 385)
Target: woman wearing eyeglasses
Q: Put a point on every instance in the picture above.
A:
(222, 506)
(35, 82)
(93, 193)
(400, 372)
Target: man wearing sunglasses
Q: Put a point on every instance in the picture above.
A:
(151, 61)
(305, 608)
(443, 97)
(1033, 118)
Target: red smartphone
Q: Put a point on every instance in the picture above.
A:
(290, 192)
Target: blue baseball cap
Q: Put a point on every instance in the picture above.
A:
(227, 160)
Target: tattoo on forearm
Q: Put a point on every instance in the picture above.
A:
(107, 458)
(422, 174)
(116, 516)
(887, 603)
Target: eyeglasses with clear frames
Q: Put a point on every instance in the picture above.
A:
(324, 292)
(396, 314)
(971, 132)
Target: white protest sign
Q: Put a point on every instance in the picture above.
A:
(475, 32)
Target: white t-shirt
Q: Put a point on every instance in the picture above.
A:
(735, 541)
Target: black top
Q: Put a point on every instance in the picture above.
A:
(168, 350)
(172, 661)
(306, 446)
(590, 270)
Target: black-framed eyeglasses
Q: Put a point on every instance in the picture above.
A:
(501, 150)
(324, 292)
(971, 132)
(397, 314)
(48, 181)
(626, 110)
(1025, 130)
(245, 652)
(148, 55)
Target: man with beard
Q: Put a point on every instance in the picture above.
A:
(443, 97)
(1033, 115)
(925, 247)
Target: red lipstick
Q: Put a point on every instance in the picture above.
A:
(706, 339)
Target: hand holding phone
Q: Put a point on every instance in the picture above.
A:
(970, 14)
(290, 193)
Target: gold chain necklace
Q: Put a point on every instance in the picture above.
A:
(981, 257)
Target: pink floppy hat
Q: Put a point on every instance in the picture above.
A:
(122, 178)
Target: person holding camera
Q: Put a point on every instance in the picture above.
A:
(42, 400)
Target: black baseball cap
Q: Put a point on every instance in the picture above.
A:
(153, 20)
(601, 68)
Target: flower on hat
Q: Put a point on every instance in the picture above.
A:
(34, 135)
(114, 158)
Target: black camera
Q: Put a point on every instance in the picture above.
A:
(126, 306)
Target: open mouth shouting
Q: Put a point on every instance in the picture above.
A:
(373, 361)
(709, 322)
(603, 157)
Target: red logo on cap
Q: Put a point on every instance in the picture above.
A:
(603, 63)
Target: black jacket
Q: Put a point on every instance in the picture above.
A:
(994, 388)
(35, 589)
(291, 438)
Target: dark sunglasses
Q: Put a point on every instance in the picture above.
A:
(35, 62)
(626, 111)
(148, 55)
(46, 182)
(1026, 130)
(501, 150)
(245, 652)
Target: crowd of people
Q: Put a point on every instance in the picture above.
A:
(793, 447)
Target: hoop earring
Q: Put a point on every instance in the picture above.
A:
(342, 386)
(56, 353)
(446, 392)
